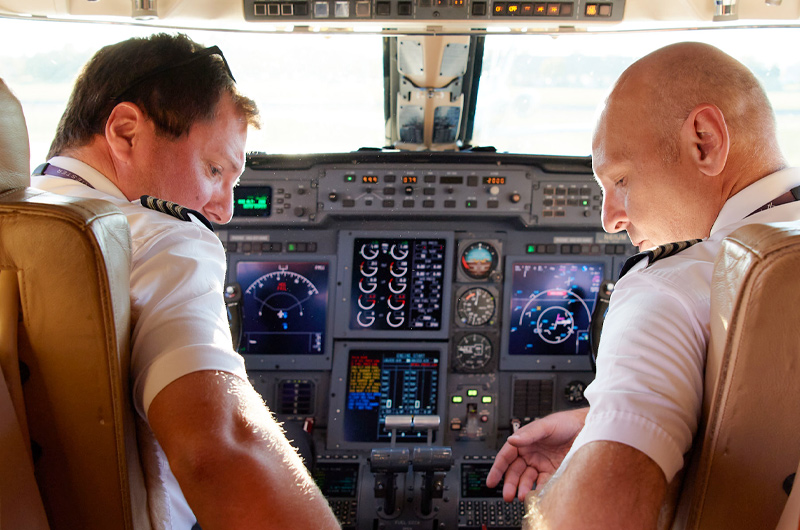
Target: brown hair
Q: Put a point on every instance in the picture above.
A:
(162, 74)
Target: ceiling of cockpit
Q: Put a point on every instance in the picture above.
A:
(325, 93)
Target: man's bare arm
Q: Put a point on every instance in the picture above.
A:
(231, 459)
(606, 485)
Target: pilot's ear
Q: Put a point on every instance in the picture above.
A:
(705, 136)
(124, 123)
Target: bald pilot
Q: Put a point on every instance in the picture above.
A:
(685, 151)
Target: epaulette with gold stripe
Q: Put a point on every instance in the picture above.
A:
(173, 209)
(655, 254)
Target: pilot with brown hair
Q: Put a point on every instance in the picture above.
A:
(157, 127)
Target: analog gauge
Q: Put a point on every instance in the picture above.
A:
(369, 268)
(370, 251)
(475, 307)
(473, 352)
(479, 260)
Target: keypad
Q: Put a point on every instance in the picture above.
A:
(495, 514)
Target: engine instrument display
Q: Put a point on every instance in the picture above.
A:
(397, 284)
(284, 307)
(385, 383)
(551, 307)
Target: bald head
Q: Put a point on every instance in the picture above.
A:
(659, 91)
(683, 130)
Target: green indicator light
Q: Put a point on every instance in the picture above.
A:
(531, 249)
(472, 393)
(486, 399)
(349, 178)
(291, 247)
(457, 399)
(586, 203)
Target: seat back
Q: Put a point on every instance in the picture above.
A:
(749, 438)
(65, 267)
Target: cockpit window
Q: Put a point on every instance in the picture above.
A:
(540, 94)
(317, 93)
(321, 93)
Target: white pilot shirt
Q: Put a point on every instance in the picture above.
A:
(179, 322)
(648, 390)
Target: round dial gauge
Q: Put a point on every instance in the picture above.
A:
(479, 260)
(473, 352)
(475, 307)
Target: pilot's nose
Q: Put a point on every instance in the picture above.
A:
(614, 216)
(219, 208)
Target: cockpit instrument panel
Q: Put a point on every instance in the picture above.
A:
(440, 300)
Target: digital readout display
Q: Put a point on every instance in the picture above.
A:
(252, 201)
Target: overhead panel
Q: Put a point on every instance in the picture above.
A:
(435, 11)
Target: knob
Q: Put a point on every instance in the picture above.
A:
(494, 190)
(515, 197)
(409, 190)
(299, 211)
(574, 391)
(333, 197)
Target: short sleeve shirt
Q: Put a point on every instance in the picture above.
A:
(178, 315)
(648, 390)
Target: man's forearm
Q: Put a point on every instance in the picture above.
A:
(606, 485)
(266, 486)
(231, 459)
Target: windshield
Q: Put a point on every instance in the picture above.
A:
(325, 93)
(316, 93)
(540, 94)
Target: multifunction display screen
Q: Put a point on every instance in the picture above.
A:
(473, 482)
(551, 307)
(397, 284)
(387, 383)
(284, 307)
(336, 479)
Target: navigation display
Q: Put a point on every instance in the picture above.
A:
(397, 284)
(389, 382)
(551, 307)
(284, 307)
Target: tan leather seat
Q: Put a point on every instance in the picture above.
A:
(749, 440)
(65, 270)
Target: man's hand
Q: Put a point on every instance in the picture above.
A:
(532, 454)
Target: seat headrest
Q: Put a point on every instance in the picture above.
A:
(15, 168)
